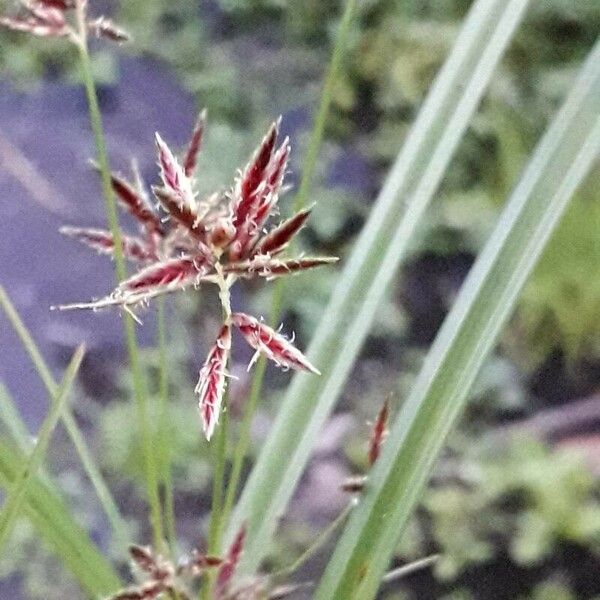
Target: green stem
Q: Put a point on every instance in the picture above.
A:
(165, 447)
(310, 161)
(321, 540)
(139, 386)
(312, 153)
(216, 517)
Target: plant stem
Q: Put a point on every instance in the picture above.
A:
(113, 222)
(165, 446)
(318, 130)
(216, 517)
(312, 153)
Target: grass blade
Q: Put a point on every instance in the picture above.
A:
(13, 422)
(377, 255)
(559, 164)
(89, 465)
(52, 520)
(14, 500)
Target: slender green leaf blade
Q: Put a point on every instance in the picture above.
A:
(13, 422)
(560, 162)
(57, 528)
(14, 501)
(87, 460)
(370, 269)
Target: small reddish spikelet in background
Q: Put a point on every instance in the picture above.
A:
(146, 591)
(227, 570)
(105, 28)
(211, 383)
(273, 345)
(354, 484)
(143, 558)
(37, 26)
(48, 18)
(379, 432)
(194, 145)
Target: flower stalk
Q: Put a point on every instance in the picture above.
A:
(140, 392)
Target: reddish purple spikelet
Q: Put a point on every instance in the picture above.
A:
(135, 204)
(143, 558)
(181, 212)
(379, 432)
(36, 26)
(194, 145)
(262, 265)
(277, 239)
(271, 344)
(254, 173)
(173, 273)
(174, 179)
(211, 383)
(102, 241)
(227, 570)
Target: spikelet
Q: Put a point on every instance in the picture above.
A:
(278, 238)
(263, 265)
(146, 591)
(135, 204)
(379, 432)
(143, 558)
(105, 28)
(173, 176)
(173, 273)
(271, 344)
(182, 213)
(211, 382)
(227, 570)
(102, 241)
(194, 145)
(36, 26)
(254, 175)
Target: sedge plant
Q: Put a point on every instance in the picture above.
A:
(185, 242)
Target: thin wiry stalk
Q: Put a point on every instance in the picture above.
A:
(323, 537)
(113, 221)
(15, 499)
(217, 513)
(165, 448)
(300, 201)
(91, 469)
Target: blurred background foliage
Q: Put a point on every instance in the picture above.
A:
(513, 508)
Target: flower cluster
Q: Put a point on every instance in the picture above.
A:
(218, 239)
(50, 18)
(162, 577)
